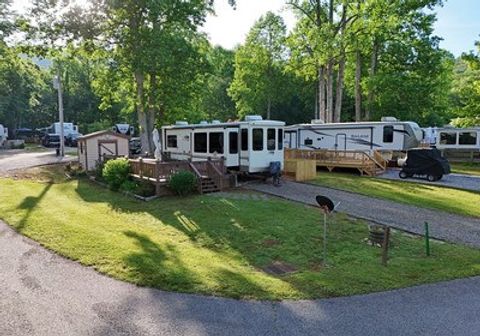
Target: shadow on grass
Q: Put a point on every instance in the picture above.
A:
(29, 204)
(222, 227)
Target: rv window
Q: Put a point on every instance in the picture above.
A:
(280, 139)
(468, 138)
(233, 141)
(271, 139)
(308, 142)
(200, 142)
(172, 141)
(388, 134)
(216, 143)
(257, 139)
(448, 138)
(244, 139)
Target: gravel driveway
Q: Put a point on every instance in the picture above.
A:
(454, 228)
(15, 159)
(460, 181)
(42, 293)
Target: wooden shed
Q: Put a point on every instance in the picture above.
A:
(94, 147)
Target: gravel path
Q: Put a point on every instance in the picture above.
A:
(14, 160)
(460, 181)
(42, 293)
(454, 228)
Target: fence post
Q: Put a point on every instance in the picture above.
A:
(427, 240)
(140, 167)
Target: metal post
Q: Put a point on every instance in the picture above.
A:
(324, 238)
(58, 84)
(385, 243)
(427, 240)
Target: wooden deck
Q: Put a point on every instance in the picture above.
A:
(370, 164)
(210, 174)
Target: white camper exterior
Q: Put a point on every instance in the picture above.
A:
(68, 128)
(3, 135)
(124, 129)
(248, 146)
(387, 135)
(458, 138)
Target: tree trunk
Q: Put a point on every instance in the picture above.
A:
(339, 93)
(151, 114)
(358, 87)
(329, 118)
(142, 116)
(321, 93)
(373, 70)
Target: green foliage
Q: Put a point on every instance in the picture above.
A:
(145, 189)
(182, 183)
(116, 172)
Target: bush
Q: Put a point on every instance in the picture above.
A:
(116, 173)
(145, 189)
(99, 171)
(182, 183)
(129, 186)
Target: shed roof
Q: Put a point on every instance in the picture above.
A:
(100, 133)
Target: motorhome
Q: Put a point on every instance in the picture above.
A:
(124, 129)
(3, 135)
(386, 135)
(247, 146)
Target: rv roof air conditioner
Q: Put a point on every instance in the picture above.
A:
(253, 118)
(203, 122)
(216, 122)
(389, 119)
(181, 123)
(318, 121)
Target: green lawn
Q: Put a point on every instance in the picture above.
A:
(420, 194)
(218, 245)
(466, 168)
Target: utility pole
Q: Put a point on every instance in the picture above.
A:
(57, 84)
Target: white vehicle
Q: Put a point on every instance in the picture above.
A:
(124, 129)
(3, 135)
(458, 138)
(386, 135)
(68, 129)
(248, 146)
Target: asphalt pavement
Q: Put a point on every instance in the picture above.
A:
(42, 293)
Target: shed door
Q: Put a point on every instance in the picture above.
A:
(107, 149)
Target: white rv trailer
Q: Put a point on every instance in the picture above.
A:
(124, 129)
(386, 135)
(248, 146)
(3, 135)
(458, 138)
(68, 128)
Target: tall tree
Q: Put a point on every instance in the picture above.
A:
(259, 64)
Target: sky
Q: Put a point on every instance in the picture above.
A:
(458, 21)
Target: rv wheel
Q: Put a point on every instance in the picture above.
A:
(403, 175)
(431, 178)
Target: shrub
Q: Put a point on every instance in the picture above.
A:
(145, 189)
(182, 182)
(116, 173)
(99, 171)
(129, 186)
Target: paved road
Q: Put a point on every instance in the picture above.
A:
(443, 225)
(19, 159)
(461, 181)
(44, 294)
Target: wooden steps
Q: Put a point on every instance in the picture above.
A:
(208, 186)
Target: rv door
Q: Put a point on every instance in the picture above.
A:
(341, 142)
(232, 149)
(244, 148)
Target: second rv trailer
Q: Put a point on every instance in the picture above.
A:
(386, 135)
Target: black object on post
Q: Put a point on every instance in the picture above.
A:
(327, 206)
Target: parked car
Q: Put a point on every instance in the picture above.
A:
(425, 162)
(72, 139)
(135, 146)
(51, 140)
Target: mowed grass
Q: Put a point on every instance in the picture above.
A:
(451, 200)
(466, 168)
(218, 245)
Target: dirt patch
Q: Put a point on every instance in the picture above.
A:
(279, 268)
